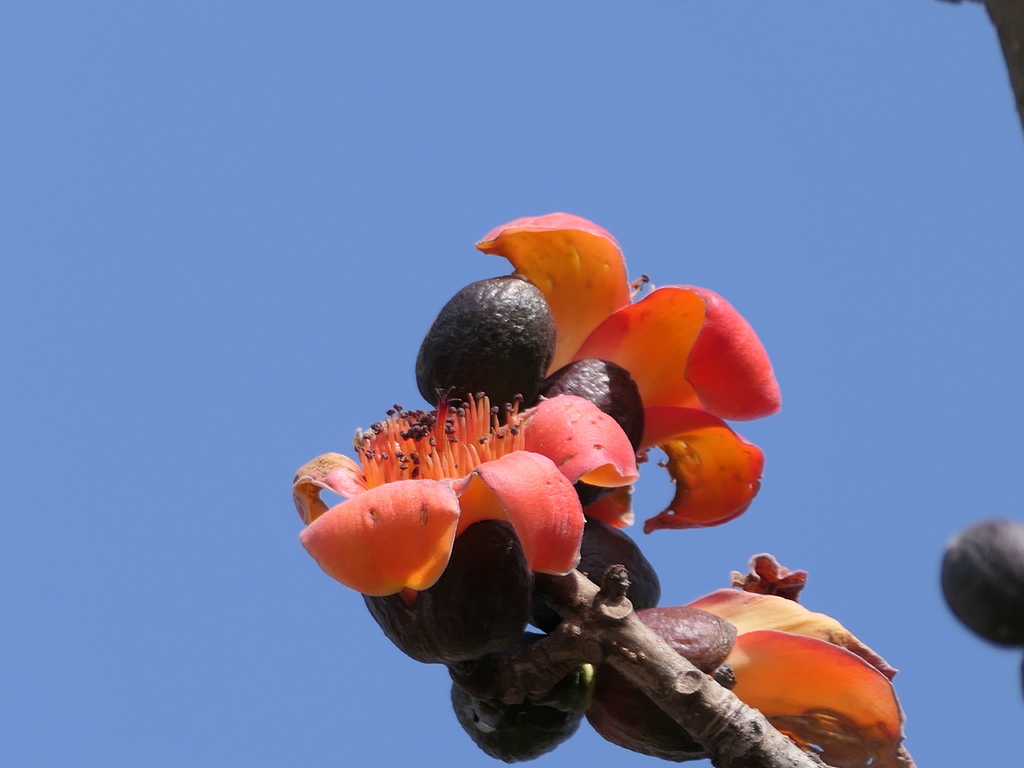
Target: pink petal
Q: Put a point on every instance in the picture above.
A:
(529, 491)
(729, 367)
(583, 441)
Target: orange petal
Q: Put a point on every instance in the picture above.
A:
(527, 490)
(652, 339)
(586, 443)
(616, 508)
(330, 472)
(390, 537)
(825, 698)
(749, 611)
(729, 367)
(717, 473)
(578, 266)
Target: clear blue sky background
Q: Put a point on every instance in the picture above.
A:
(226, 227)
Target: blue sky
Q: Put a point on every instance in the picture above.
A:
(227, 226)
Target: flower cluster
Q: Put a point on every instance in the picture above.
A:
(547, 387)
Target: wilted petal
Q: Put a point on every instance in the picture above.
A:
(387, 538)
(717, 473)
(749, 611)
(616, 508)
(729, 367)
(578, 266)
(825, 698)
(330, 472)
(583, 441)
(652, 340)
(769, 577)
(527, 490)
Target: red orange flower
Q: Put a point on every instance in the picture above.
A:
(423, 478)
(695, 360)
(812, 679)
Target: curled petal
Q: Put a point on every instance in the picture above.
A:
(616, 508)
(527, 490)
(583, 441)
(768, 577)
(330, 472)
(717, 473)
(825, 698)
(749, 611)
(385, 539)
(578, 266)
(652, 340)
(729, 367)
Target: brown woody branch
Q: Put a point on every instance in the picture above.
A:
(599, 626)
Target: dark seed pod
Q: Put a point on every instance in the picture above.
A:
(701, 638)
(602, 546)
(624, 715)
(513, 732)
(610, 388)
(983, 580)
(479, 606)
(495, 336)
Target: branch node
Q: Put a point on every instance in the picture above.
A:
(689, 682)
(610, 602)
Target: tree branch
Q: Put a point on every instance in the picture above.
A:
(599, 626)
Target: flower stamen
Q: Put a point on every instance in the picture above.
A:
(448, 443)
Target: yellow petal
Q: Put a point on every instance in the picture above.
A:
(749, 611)
(576, 264)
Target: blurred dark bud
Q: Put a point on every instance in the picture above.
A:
(513, 732)
(983, 580)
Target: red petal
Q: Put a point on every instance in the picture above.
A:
(717, 473)
(578, 266)
(616, 508)
(652, 339)
(527, 490)
(825, 698)
(393, 536)
(729, 367)
(583, 441)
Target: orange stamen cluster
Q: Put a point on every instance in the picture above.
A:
(448, 443)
